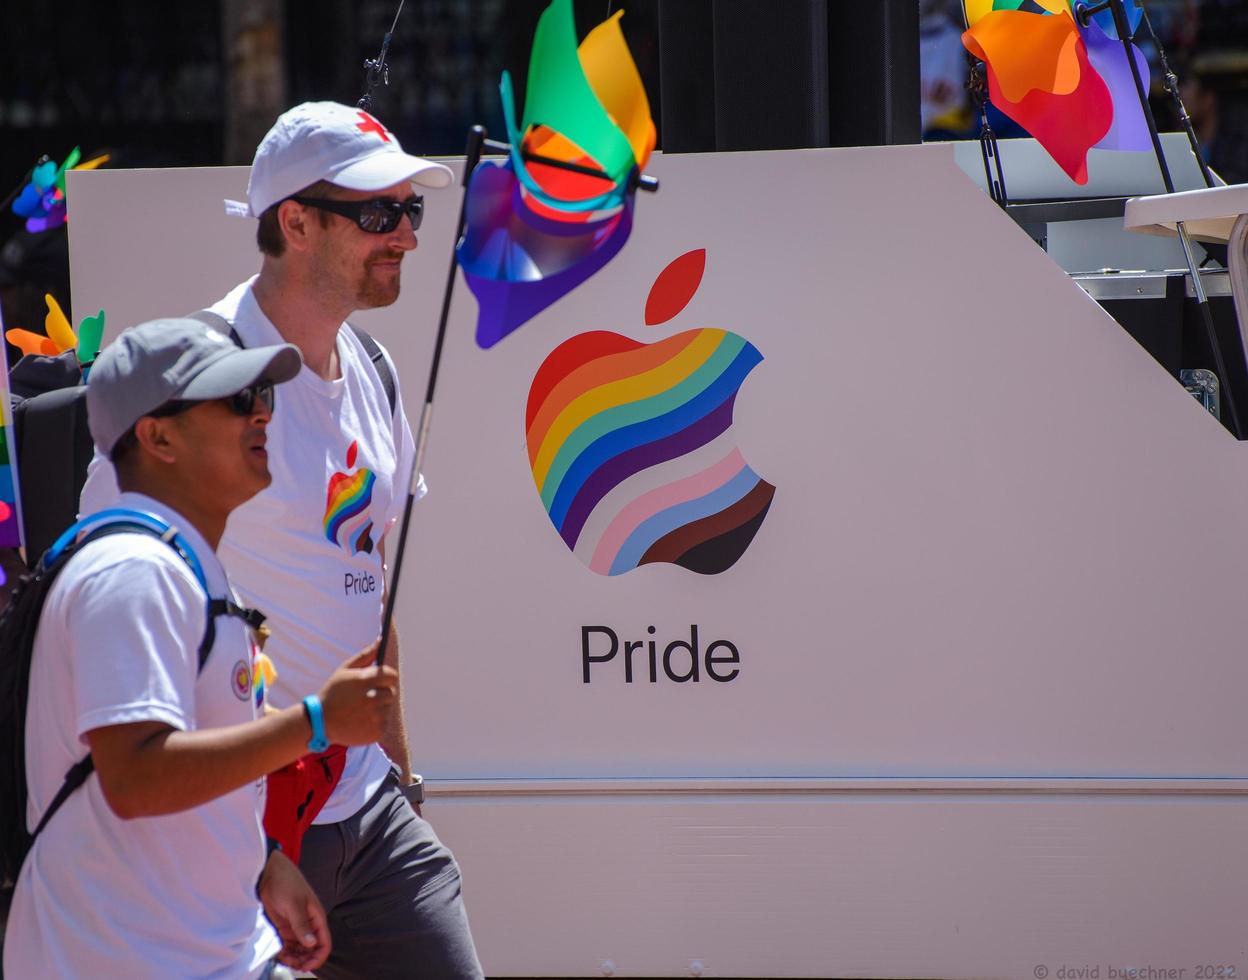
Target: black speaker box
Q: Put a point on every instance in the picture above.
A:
(791, 73)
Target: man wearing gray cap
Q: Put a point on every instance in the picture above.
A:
(338, 205)
(144, 659)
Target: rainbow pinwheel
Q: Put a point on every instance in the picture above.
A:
(42, 201)
(1068, 85)
(60, 336)
(263, 677)
(533, 231)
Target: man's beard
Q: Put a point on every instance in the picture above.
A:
(375, 290)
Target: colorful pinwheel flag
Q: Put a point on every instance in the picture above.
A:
(1068, 85)
(42, 201)
(59, 336)
(534, 232)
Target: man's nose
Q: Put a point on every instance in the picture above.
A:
(405, 234)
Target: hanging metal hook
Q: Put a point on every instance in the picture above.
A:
(375, 69)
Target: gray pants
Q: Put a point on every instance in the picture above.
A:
(391, 891)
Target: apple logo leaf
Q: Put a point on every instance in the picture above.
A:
(675, 286)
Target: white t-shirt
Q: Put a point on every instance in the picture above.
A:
(304, 551)
(169, 896)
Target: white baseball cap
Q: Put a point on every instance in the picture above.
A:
(329, 141)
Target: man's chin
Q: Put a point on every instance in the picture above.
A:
(262, 479)
(375, 294)
(248, 486)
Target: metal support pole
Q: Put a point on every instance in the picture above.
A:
(1084, 11)
(1172, 86)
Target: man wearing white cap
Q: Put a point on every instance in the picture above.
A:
(141, 681)
(338, 208)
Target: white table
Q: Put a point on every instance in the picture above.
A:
(1213, 214)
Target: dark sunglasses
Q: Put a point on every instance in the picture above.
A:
(240, 403)
(379, 216)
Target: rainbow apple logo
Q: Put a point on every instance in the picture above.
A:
(347, 523)
(630, 443)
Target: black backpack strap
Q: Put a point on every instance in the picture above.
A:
(228, 607)
(76, 776)
(371, 348)
(254, 618)
(217, 322)
(378, 357)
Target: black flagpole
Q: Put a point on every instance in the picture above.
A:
(1084, 11)
(472, 153)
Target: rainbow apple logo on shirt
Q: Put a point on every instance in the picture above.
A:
(347, 523)
(631, 444)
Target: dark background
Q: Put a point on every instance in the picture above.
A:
(198, 83)
(176, 84)
(155, 83)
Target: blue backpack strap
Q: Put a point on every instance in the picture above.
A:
(118, 519)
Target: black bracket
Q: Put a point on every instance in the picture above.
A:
(640, 181)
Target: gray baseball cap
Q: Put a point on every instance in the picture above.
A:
(173, 360)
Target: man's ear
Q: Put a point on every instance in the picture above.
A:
(152, 435)
(295, 222)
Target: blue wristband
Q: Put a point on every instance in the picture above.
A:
(316, 718)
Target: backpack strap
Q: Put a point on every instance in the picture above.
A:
(115, 520)
(120, 520)
(217, 322)
(371, 348)
(254, 618)
(227, 607)
(76, 776)
(53, 450)
(382, 366)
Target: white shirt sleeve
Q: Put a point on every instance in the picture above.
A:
(101, 488)
(134, 628)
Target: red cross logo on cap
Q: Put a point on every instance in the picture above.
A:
(371, 125)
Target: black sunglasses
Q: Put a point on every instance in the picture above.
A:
(379, 216)
(240, 403)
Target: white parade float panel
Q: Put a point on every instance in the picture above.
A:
(987, 719)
